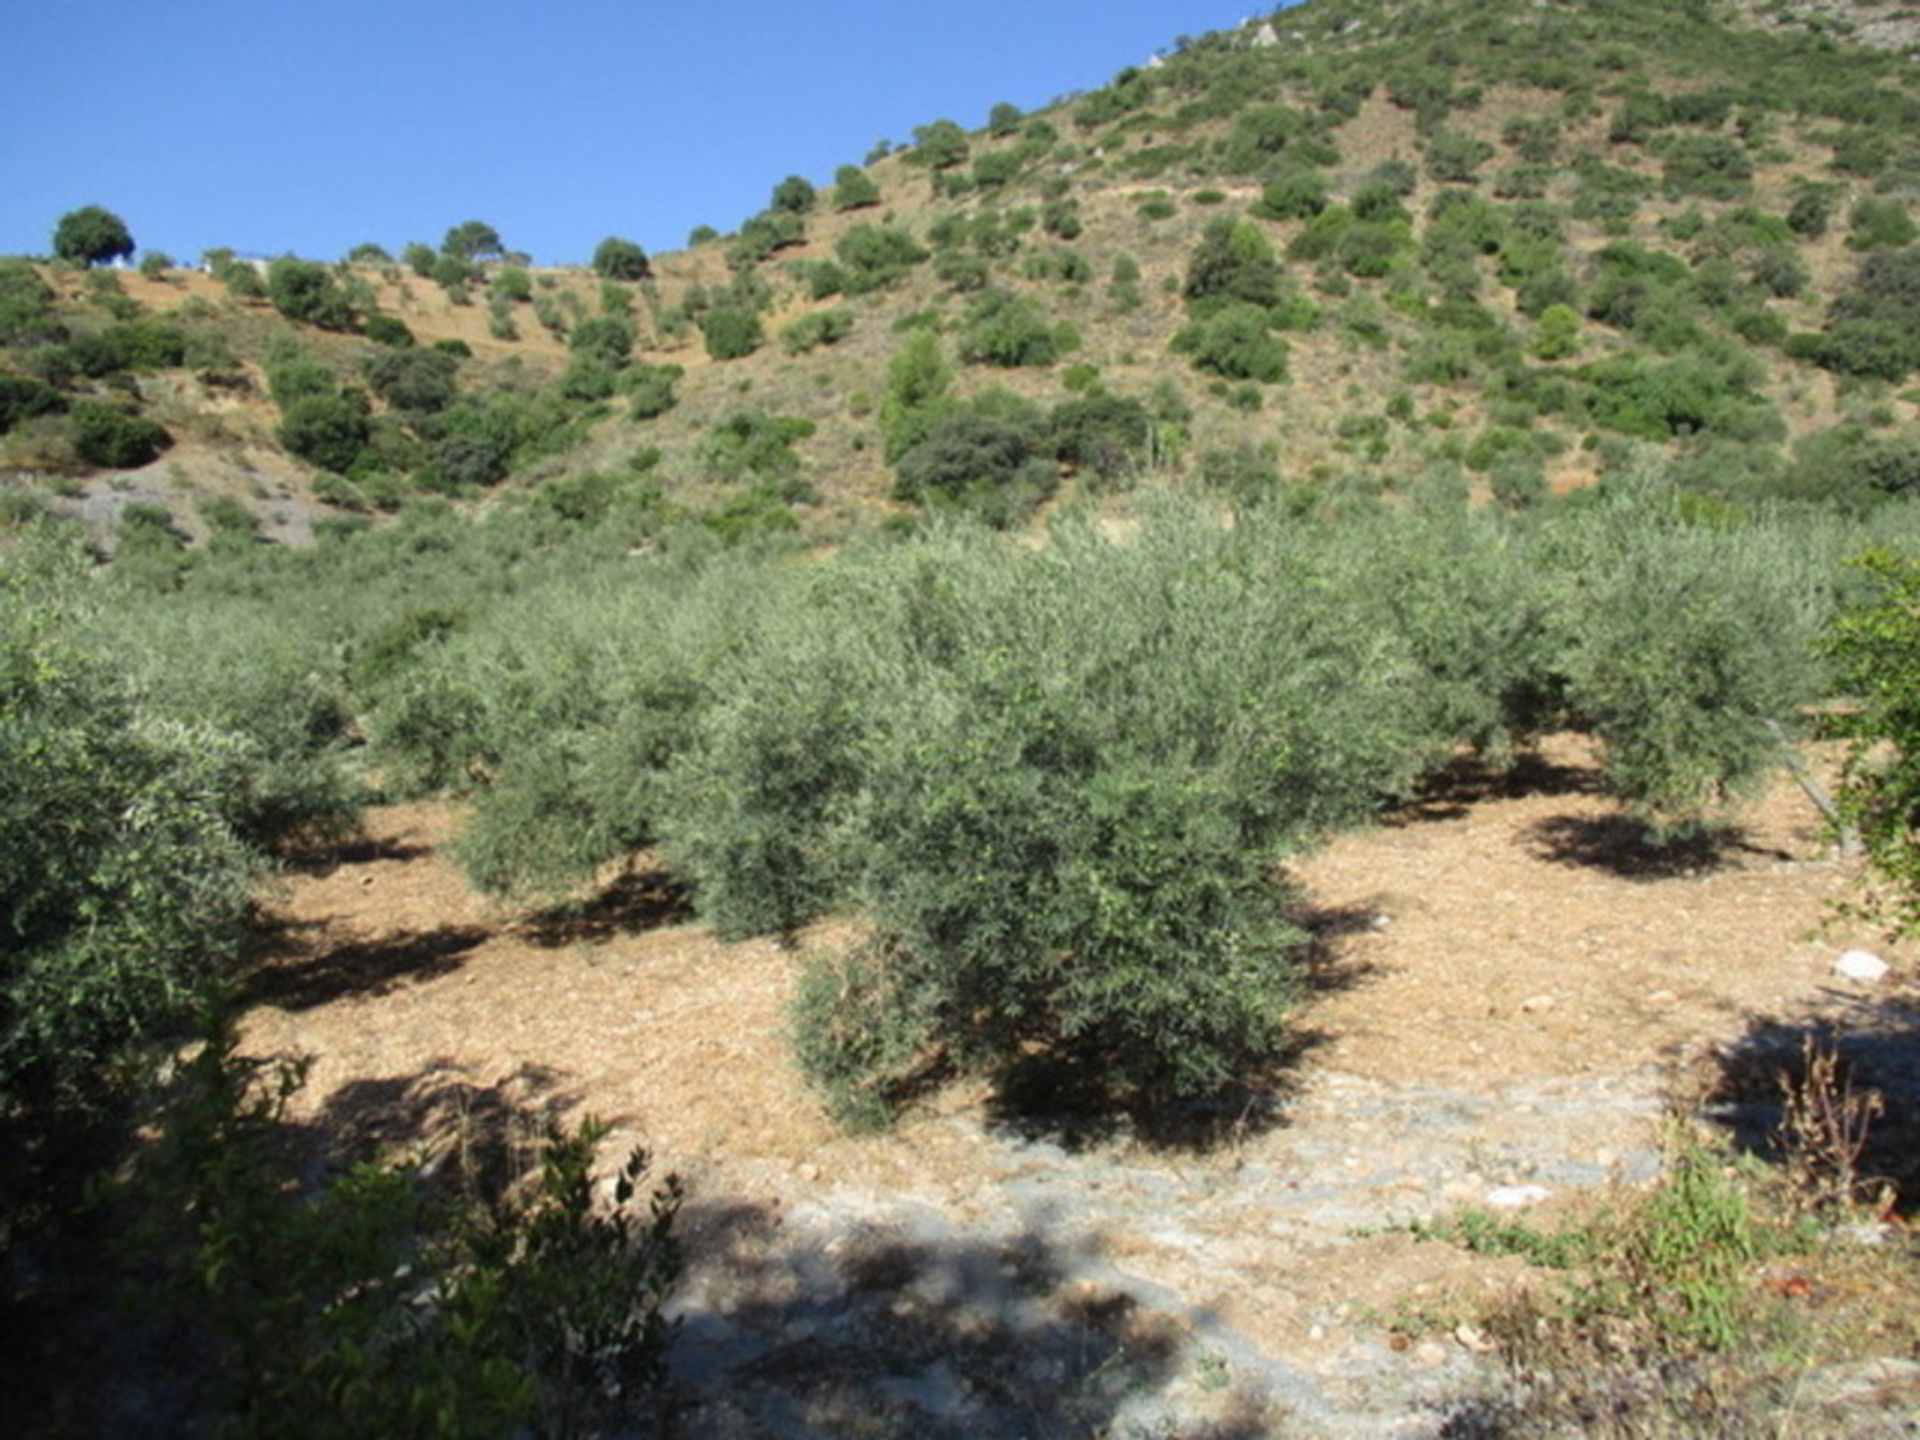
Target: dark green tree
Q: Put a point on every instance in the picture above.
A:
(940, 145)
(794, 194)
(90, 235)
(618, 259)
(473, 240)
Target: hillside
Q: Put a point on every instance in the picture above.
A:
(1239, 758)
(1519, 243)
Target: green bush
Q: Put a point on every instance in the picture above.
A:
(1453, 158)
(1875, 647)
(1711, 166)
(1100, 433)
(1880, 225)
(307, 291)
(794, 194)
(1008, 330)
(22, 398)
(1236, 342)
(419, 380)
(327, 430)
(617, 259)
(821, 327)
(1234, 262)
(104, 436)
(125, 887)
(1295, 195)
(854, 189)
(987, 465)
(604, 340)
(731, 332)
(650, 390)
(940, 145)
(26, 306)
(875, 256)
(389, 330)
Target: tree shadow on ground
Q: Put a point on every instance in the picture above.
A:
(637, 902)
(292, 976)
(324, 858)
(1875, 1046)
(911, 1329)
(442, 1112)
(1621, 846)
(1469, 780)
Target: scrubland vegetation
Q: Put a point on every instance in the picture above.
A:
(1475, 373)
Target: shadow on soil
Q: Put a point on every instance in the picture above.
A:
(1620, 846)
(877, 1332)
(1875, 1047)
(324, 859)
(1470, 780)
(293, 977)
(635, 903)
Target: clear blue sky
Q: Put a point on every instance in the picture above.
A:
(280, 125)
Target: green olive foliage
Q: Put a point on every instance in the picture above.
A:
(122, 883)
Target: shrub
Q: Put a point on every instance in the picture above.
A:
(795, 194)
(875, 256)
(417, 380)
(1008, 330)
(940, 145)
(1100, 433)
(731, 332)
(546, 1299)
(307, 291)
(125, 887)
(1234, 262)
(1558, 334)
(749, 445)
(1875, 645)
(854, 189)
(104, 436)
(1237, 343)
(26, 306)
(1711, 166)
(1811, 209)
(389, 330)
(90, 235)
(1260, 134)
(983, 464)
(327, 430)
(615, 258)
(22, 398)
(822, 327)
(604, 340)
(1453, 158)
(1295, 195)
(1880, 225)
(650, 390)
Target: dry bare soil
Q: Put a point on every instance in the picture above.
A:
(1506, 991)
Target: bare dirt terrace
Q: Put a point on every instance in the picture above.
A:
(1506, 991)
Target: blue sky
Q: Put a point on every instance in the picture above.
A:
(275, 125)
